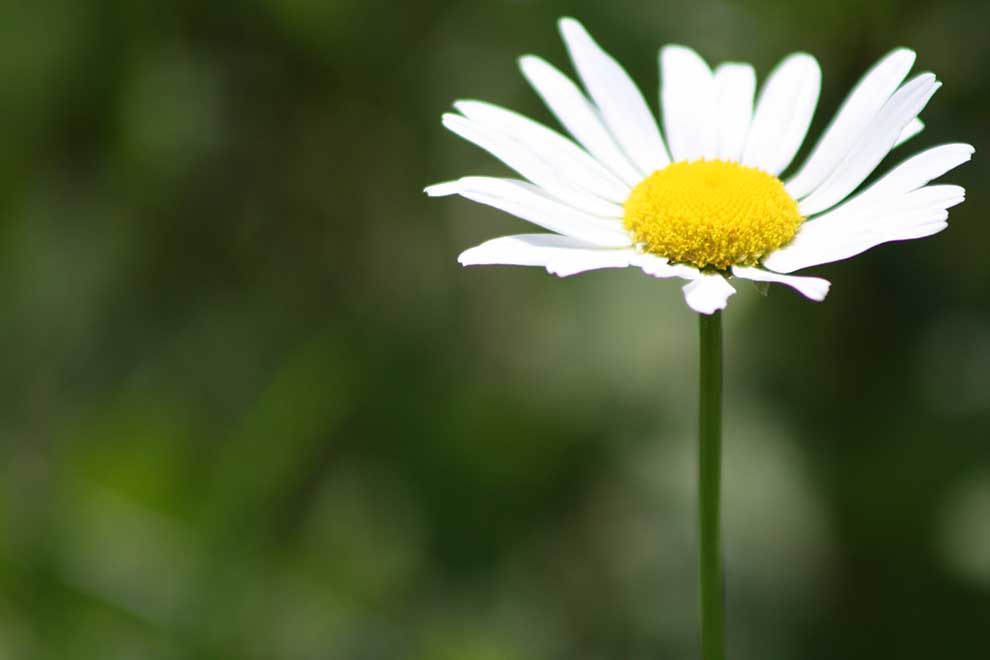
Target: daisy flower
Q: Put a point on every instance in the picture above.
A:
(708, 203)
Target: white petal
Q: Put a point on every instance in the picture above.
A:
(622, 106)
(708, 294)
(910, 175)
(576, 113)
(444, 189)
(849, 246)
(856, 113)
(833, 238)
(941, 196)
(897, 212)
(735, 86)
(560, 255)
(688, 99)
(876, 143)
(531, 165)
(855, 216)
(912, 129)
(659, 267)
(529, 202)
(783, 114)
(571, 161)
(920, 231)
(814, 288)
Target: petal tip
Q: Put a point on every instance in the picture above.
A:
(804, 57)
(817, 290)
(451, 118)
(904, 53)
(569, 24)
(708, 294)
(466, 258)
(675, 49)
(532, 66)
(444, 189)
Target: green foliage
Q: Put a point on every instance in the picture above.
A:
(252, 407)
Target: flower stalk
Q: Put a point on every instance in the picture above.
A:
(710, 564)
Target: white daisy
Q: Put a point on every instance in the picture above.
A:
(708, 204)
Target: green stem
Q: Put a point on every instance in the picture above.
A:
(709, 489)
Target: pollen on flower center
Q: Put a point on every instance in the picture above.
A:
(711, 213)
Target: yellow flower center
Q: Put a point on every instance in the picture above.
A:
(711, 214)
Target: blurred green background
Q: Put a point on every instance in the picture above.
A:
(252, 407)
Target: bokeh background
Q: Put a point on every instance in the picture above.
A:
(251, 407)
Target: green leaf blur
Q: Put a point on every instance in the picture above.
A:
(251, 407)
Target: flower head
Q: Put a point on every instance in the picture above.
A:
(709, 203)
